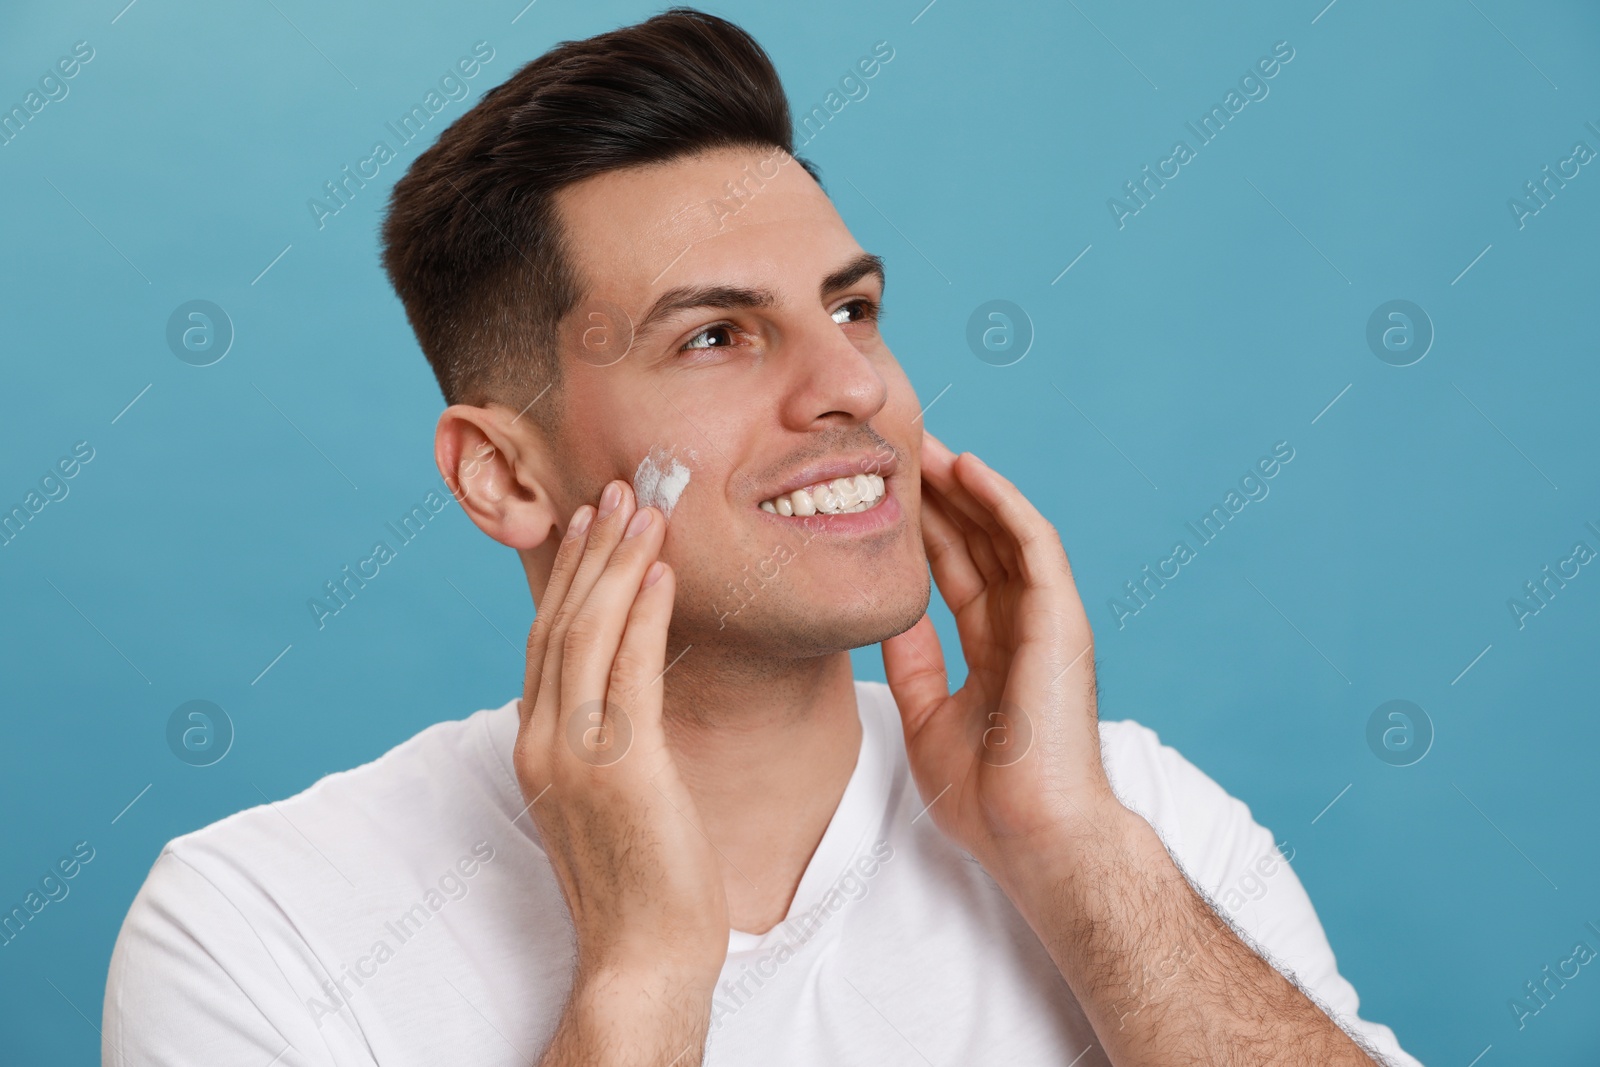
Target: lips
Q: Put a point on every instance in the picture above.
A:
(834, 496)
(842, 486)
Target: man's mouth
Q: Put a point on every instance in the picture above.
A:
(838, 496)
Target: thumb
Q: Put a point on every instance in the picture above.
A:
(913, 662)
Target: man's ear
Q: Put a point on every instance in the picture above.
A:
(497, 475)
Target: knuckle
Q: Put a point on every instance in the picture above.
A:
(628, 667)
(575, 656)
(530, 758)
(1039, 532)
(627, 555)
(538, 634)
(582, 631)
(561, 623)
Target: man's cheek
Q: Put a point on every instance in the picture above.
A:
(902, 402)
(662, 477)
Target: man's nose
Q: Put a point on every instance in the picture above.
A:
(833, 381)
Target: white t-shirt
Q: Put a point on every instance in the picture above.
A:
(403, 913)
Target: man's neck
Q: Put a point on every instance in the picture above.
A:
(766, 755)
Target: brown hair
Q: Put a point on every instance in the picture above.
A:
(472, 241)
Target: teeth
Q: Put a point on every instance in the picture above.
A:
(837, 497)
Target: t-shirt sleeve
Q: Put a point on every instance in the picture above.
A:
(191, 982)
(1239, 865)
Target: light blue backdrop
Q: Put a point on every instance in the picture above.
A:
(1168, 354)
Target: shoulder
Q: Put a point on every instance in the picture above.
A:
(330, 848)
(428, 785)
(1211, 832)
(1234, 861)
(236, 920)
(439, 770)
(1240, 866)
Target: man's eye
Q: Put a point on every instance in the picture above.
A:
(704, 339)
(862, 310)
(720, 335)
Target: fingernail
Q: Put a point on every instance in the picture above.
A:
(653, 575)
(610, 499)
(580, 522)
(639, 523)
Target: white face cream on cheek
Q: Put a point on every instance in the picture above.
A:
(660, 480)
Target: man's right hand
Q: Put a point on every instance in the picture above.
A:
(642, 883)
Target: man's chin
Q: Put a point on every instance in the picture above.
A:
(799, 628)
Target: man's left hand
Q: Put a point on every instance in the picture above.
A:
(1010, 762)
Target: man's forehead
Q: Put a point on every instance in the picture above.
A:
(629, 229)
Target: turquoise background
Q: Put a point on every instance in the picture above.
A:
(1224, 317)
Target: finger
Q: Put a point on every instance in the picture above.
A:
(913, 662)
(979, 542)
(961, 584)
(1040, 556)
(568, 556)
(595, 634)
(603, 537)
(638, 670)
(954, 571)
(555, 591)
(940, 469)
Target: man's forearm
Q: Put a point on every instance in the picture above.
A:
(624, 1020)
(1163, 979)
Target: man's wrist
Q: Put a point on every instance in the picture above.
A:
(639, 1015)
(600, 987)
(1035, 871)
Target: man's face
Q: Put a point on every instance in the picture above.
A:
(754, 402)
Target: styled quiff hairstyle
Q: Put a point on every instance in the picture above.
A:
(473, 243)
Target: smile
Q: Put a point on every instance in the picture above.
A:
(840, 496)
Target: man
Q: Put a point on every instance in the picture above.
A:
(695, 837)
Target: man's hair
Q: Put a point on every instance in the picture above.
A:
(472, 241)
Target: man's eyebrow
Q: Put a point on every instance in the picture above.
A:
(686, 297)
(864, 265)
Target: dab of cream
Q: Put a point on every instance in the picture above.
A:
(660, 480)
